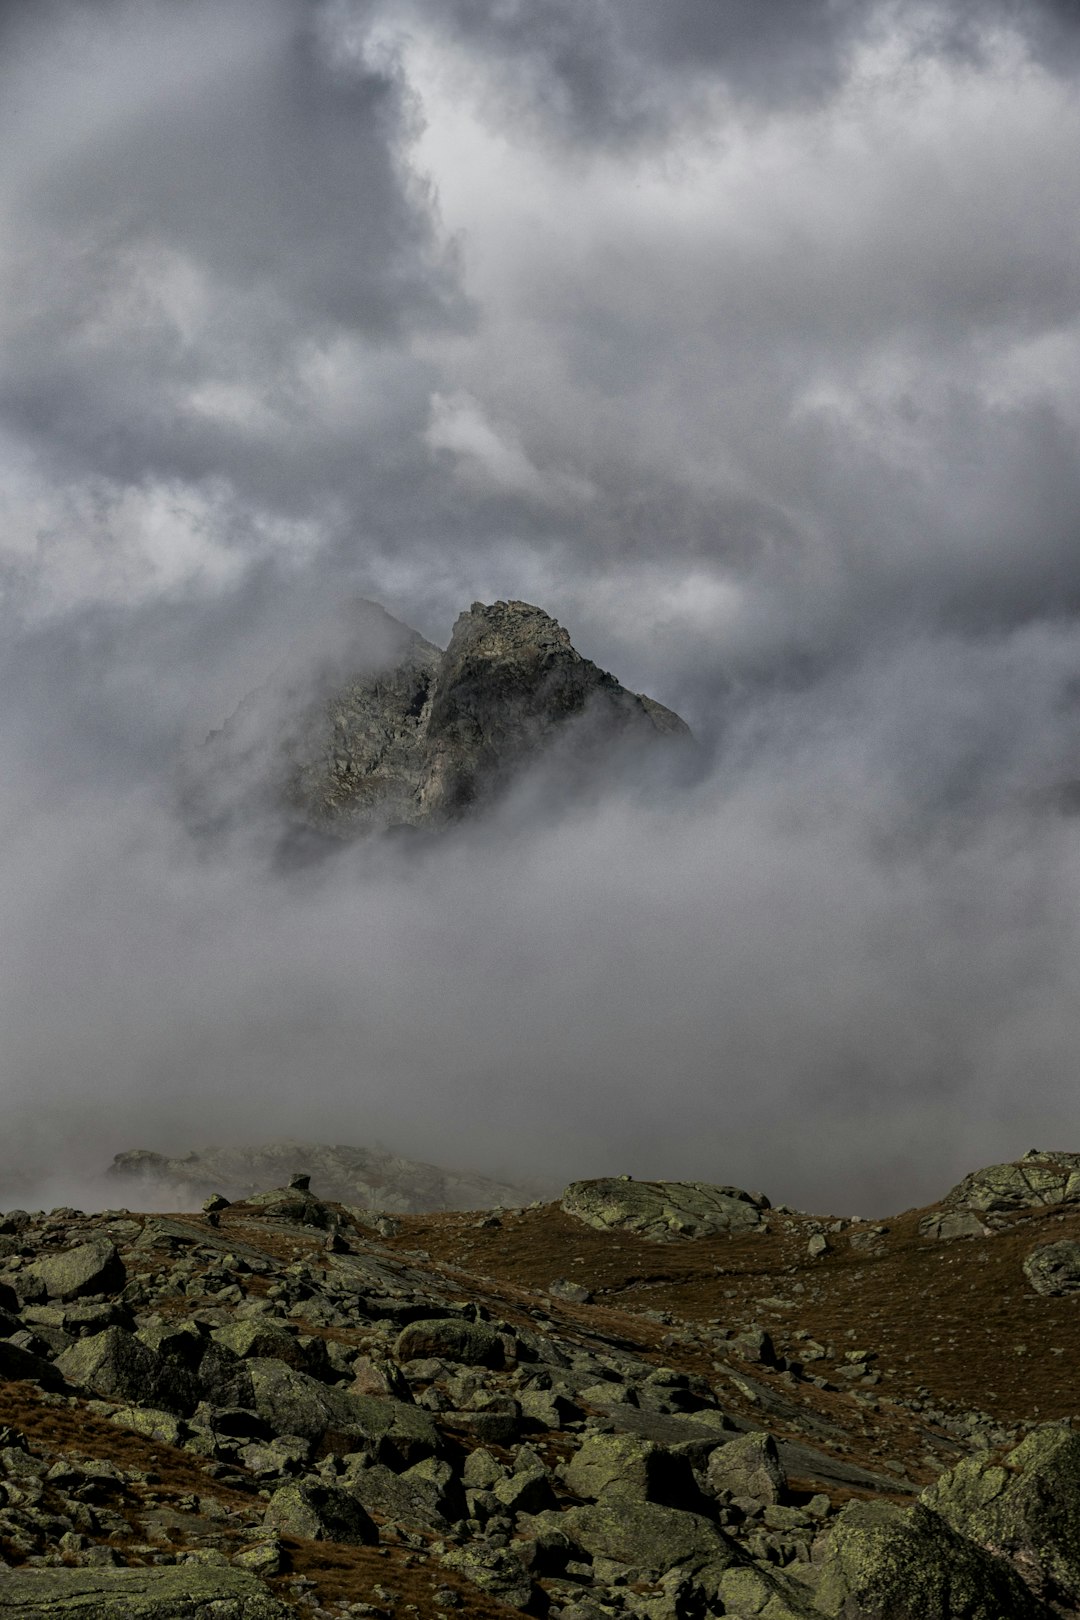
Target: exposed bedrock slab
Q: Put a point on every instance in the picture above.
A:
(185, 1592)
(664, 1211)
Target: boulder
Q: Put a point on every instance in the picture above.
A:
(663, 1211)
(17, 1364)
(494, 1570)
(450, 1339)
(293, 1204)
(946, 1224)
(187, 1592)
(257, 1337)
(882, 1562)
(315, 1511)
(1027, 1508)
(427, 1494)
(622, 1465)
(117, 1364)
(1054, 1268)
(749, 1466)
(89, 1268)
(763, 1591)
(292, 1403)
(646, 1534)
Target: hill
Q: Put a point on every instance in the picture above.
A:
(646, 1400)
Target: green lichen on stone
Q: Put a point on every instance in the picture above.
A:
(663, 1211)
(183, 1592)
(1028, 1509)
(887, 1563)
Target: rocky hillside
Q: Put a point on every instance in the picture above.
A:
(647, 1401)
(381, 1182)
(400, 734)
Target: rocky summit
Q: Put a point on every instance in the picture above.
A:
(644, 1401)
(398, 733)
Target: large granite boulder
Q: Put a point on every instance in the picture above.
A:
(89, 1268)
(883, 1562)
(117, 1364)
(290, 1402)
(1054, 1268)
(1027, 1508)
(664, 1211)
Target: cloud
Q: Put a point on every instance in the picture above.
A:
(747, 341)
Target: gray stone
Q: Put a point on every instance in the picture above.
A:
(1033, 1182)
(948, 1224)
(882, 1562)
(749, 1466)
(290, 1402)
(621, 1464)
(1054, 1268)
(117, 1364)
(449, 1339)
(314, 1511)
(663, 1211)
(494, 1570)
(90, 1268)
(1027, 1507)
(646, 1534)
(192, 1592)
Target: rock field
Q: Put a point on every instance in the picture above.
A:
(648, 1401)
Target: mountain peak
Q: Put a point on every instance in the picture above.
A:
(415, 737)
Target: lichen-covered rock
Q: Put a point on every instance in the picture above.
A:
(292, 1403)
(749, 1466)
(429, 1493)
(190, 1592)
(89, 1268)
(1054, 1268)
(117, 1364)
(1036, 1180)
(646, 1534)
(948, 1224)
(259, 1338)
(296, 1205)
(315, 1511)
(1027, 1508)
(494, 1569)
(17, 1364)
(755, 1591)
(450, 1339)
(882, 1562)
(663, 1211)
(622, 1464)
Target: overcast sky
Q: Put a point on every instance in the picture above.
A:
(743, 338)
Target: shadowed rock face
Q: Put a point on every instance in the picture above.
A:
(415, 737)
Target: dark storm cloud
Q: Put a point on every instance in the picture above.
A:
(744, 338)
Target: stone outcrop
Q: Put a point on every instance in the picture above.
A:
(191, 1593)
(367, 1178)
(412, 736)
(1033, 1182)
(664, 1211)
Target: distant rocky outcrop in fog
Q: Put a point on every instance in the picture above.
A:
(363, 1177)
(407, 735)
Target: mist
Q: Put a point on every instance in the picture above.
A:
(746, 345)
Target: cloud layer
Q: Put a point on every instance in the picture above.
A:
(745, 340)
